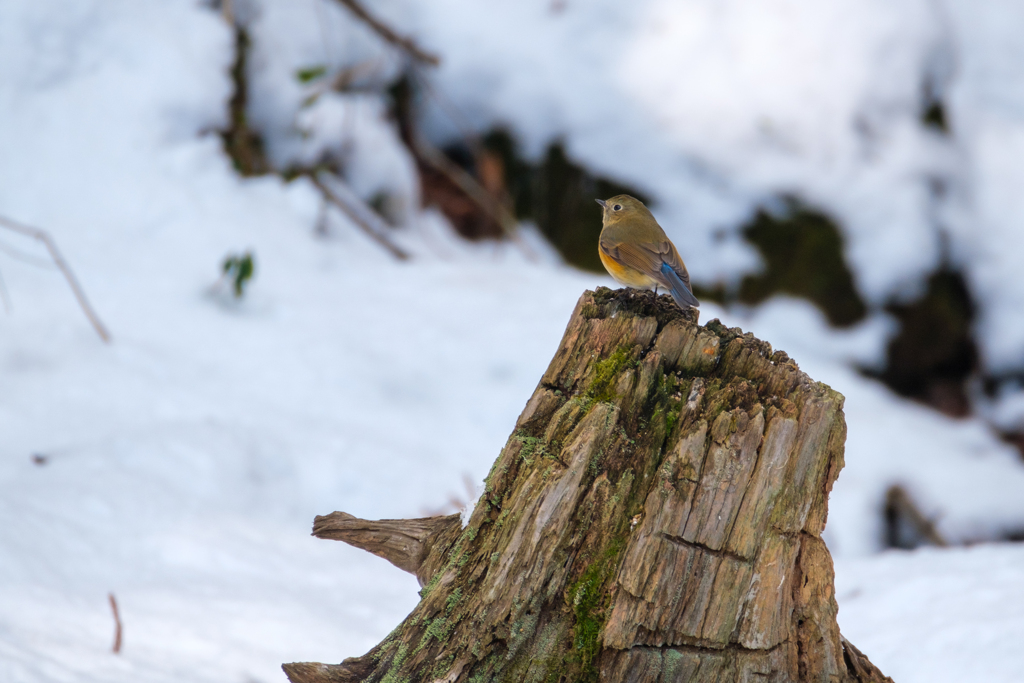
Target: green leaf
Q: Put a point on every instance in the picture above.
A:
(310, 73)
(240, 270)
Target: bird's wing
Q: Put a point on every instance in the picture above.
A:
(660, 261)
(670, 255)
(638, 257)
(608, 248)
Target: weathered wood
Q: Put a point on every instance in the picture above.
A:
(402, 542)
(310, 672)
(861, 666)
(655, 517)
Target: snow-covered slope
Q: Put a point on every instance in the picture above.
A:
(936, 615)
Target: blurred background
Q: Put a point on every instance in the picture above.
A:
(335, 244)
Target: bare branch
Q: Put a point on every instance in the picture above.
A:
(344, 79)
(473, 189)
(384, 31)
(859, 666)
(5, 296)
(117, 624)
(437, 160)
(899, 505)
(309, 672)
(26, 257)
(339, 194)
(402, 542)
(58, 260)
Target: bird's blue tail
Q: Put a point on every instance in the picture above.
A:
(680, 292)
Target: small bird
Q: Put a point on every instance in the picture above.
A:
(637, 252)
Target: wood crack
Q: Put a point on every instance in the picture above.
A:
(698, 648)
(724, 554)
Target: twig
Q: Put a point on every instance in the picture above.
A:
(342, 81)
(58, 260)
(440, 162)
(437, 160)
(25, 257)
(348, 75)
(898, 503)
(339, 194)
(5, 296)
(117, 624)
(384, 31)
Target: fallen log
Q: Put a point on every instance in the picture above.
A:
(655, 517)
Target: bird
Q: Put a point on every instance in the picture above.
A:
(637, 252)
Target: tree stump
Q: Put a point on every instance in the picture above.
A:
(655, 517)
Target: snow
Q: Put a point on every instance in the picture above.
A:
(987, 106)
(180, 467)
(936, 615)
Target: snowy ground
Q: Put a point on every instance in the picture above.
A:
(181, 466)
(937, 615)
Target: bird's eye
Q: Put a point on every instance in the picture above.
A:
(617, 207)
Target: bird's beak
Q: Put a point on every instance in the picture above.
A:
(603, 203)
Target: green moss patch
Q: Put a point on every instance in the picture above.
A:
(588, 599)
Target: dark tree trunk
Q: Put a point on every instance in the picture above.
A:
(655, 517)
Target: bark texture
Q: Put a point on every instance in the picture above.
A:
(655, 517)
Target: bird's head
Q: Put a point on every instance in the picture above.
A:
(623, 207)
